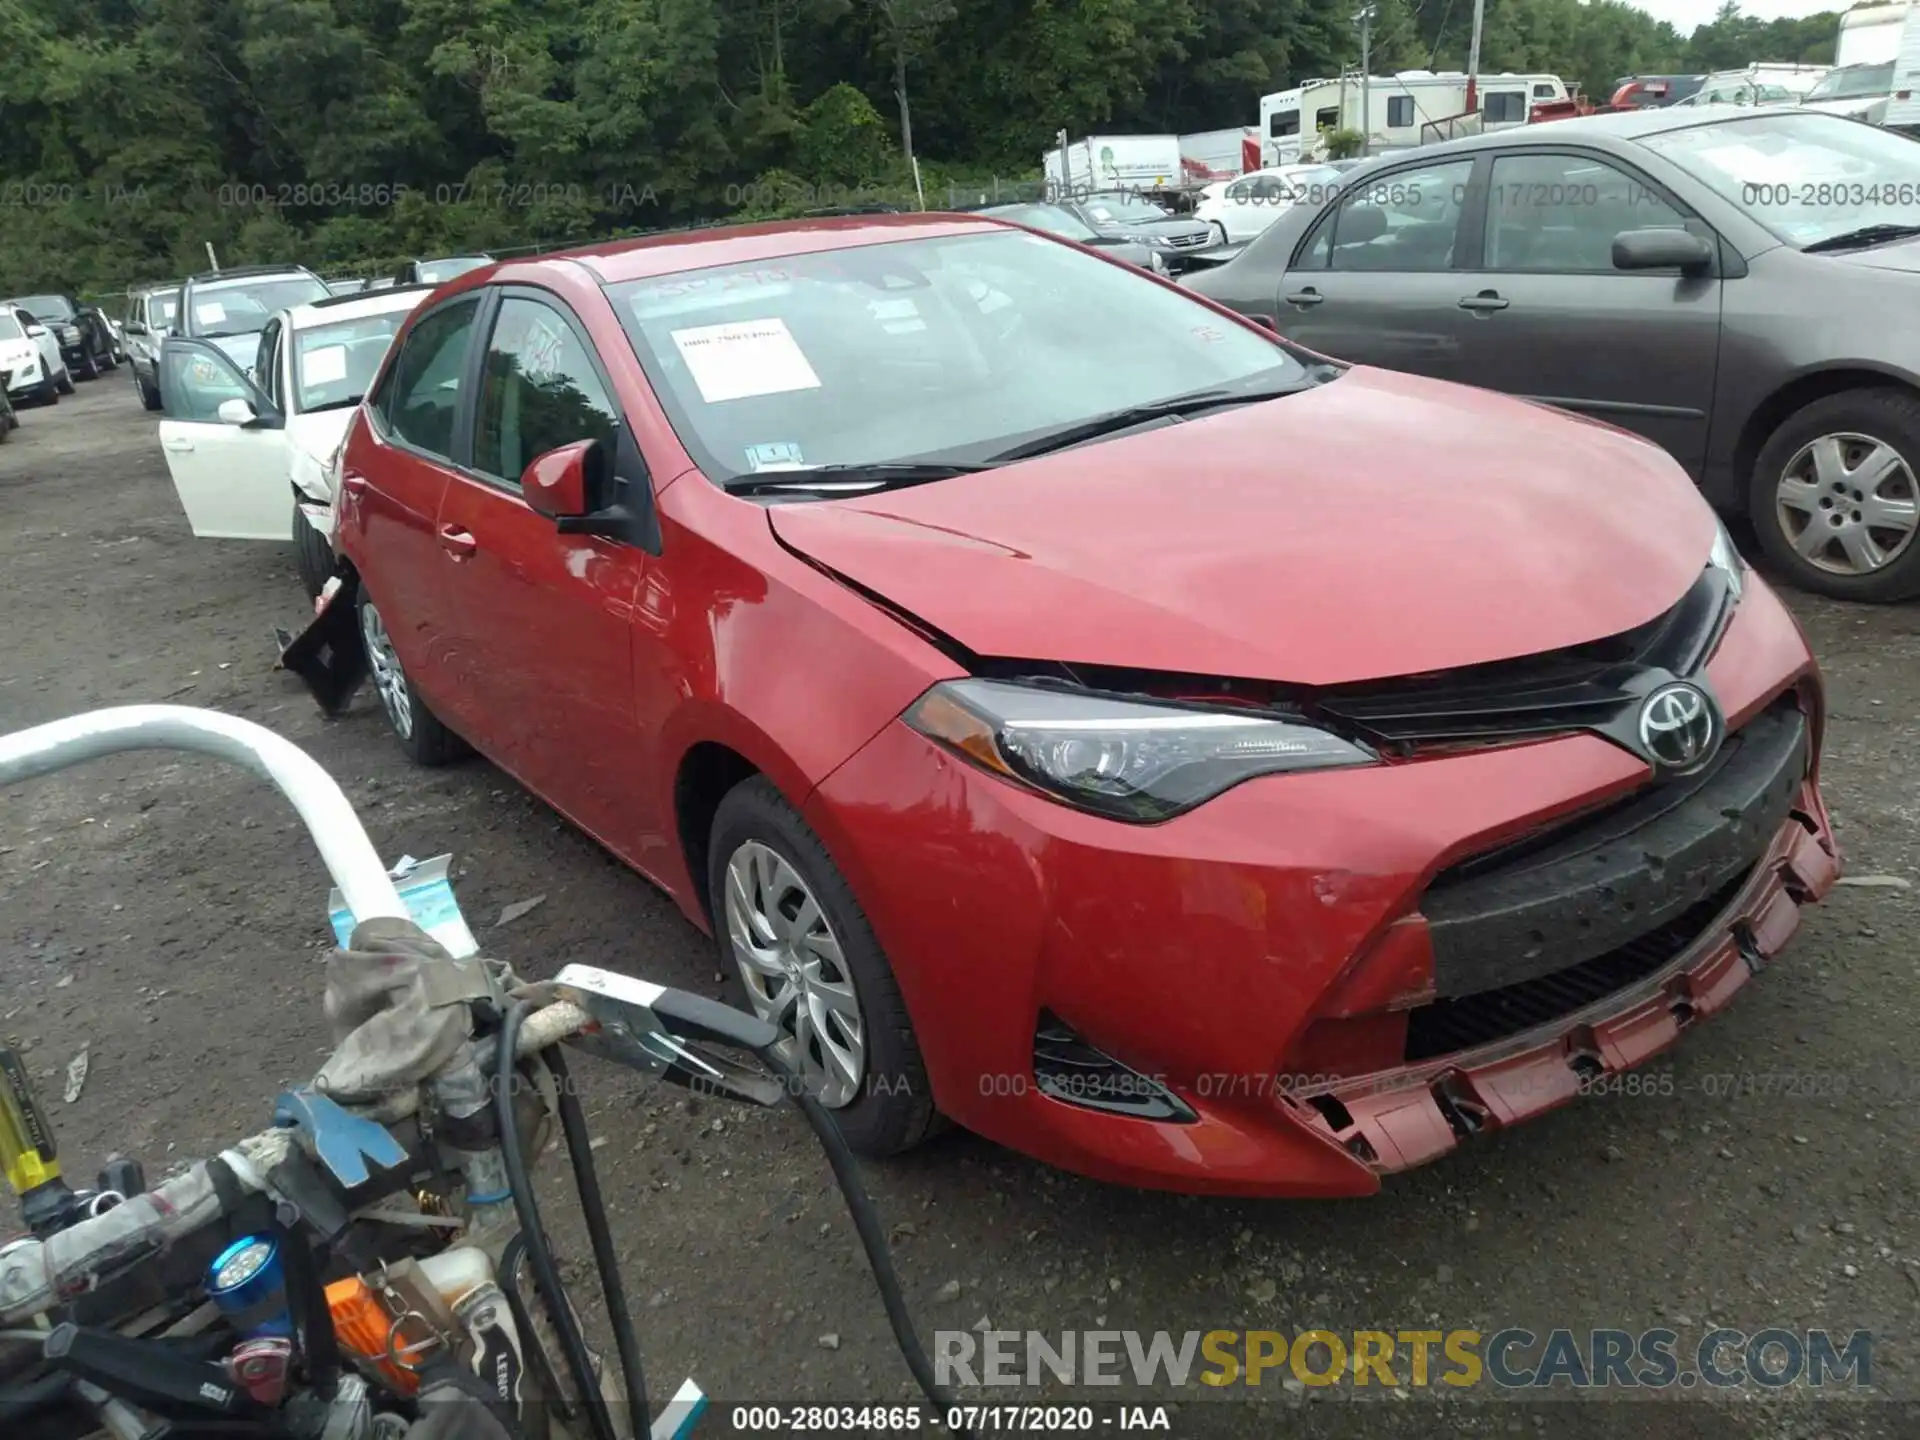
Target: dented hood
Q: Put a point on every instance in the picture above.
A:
(1379, 525)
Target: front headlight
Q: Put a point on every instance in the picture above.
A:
(1125, 759)
(1725, 558)
(1156, 263)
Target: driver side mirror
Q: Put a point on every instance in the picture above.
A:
(566, 483)
(132, 327)
(236, 411)
(36, 331)
(574, 485)
(1680, 250)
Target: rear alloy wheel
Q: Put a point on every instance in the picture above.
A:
(805, 960)
(418, 729)
(1835, 500)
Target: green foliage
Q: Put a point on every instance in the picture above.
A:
(1344, 144)
(354, 133)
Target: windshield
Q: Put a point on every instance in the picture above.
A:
(10, 327)
(1123, 209)
(1854, 82)
(240, 308)
(334, 364)
(941, 349)
(1049, 218)
(160, 307)
(45, 307)
(435, 272)
(1806, 177)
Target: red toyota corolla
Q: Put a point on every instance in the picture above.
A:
(1078, 713)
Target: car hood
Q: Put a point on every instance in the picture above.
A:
(243, 350)
(1379, 525)
(1169, 228)
(1902, 256)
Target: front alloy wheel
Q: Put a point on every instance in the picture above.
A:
(795, 974)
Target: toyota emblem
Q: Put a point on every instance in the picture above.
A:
(1678, 727)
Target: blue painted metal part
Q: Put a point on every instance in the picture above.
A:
(351, 1146)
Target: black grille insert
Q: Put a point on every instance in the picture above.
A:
(1585, 687)
(1070, 1070)
(1443, 1027)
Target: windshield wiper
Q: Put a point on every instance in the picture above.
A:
(333, 405)
(1178, 407)
(852, 479)
(1865, 235)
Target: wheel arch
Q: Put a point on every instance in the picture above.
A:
(706, 774)
(1802, 390)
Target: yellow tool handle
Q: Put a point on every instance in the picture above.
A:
(26, 1140)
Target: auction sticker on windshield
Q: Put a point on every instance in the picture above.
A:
(324, 366)
(211, 312)
(745, 358)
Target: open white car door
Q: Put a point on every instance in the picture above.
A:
(226, 446)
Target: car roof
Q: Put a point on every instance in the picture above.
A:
(215, 279)
(354, 307)
(674, 252)
(1618, 126)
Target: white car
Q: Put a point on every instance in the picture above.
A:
(251, 451)
(1240, 209)
(30, 356)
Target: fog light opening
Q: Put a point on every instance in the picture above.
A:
(1066, 1068)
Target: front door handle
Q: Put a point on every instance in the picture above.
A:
(1485, 303)
(355, 484)
(458, 543)
(179, 444)
(1305, 298)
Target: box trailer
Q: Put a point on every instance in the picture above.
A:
(1210, 155)
(1114, 162)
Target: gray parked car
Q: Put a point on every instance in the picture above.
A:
(1123, 215)
(1058, 220)
(150, 315)
(1734, 284)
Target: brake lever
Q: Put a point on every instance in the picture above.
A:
(657, 1031)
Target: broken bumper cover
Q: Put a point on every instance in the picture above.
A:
(1409, 1116)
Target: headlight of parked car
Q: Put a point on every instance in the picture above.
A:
(69, 334)
(1125, 759)
(1155, 263)
(1725, 558)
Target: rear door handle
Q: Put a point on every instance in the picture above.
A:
(1485, 303)
(458, 543)
(1305, 298)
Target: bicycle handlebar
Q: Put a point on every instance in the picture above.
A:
(349, 856)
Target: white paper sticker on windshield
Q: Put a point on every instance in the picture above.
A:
(744, 359)
(211, 312)
(324, 366)
(782, 456)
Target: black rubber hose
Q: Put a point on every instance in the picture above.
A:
(546, 1274)
(873, 1235)
(573, 1124)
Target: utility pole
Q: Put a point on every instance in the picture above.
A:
(1473, 57)
(1365, 21)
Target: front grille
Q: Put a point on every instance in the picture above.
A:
(1068, 1069)
(1588, 886)
(1443, 1027)
(1586, 687)
(1189, 241)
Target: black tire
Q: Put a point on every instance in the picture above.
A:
(149, 390)
(65, 383)
(892, 1109)
(49, 393)
(312, 554)
(419, 731)
(92, 369)
(1887, 415)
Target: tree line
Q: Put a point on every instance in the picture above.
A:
(348, 134)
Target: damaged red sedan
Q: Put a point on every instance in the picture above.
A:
(1077, 712)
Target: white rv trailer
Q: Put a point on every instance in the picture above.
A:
(1394, 110)
(1870, 35)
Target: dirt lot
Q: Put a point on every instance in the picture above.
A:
(168, 916)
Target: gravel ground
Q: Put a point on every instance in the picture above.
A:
(167, 916)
